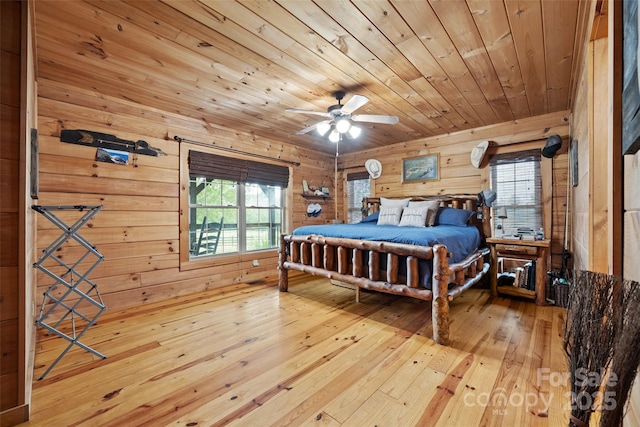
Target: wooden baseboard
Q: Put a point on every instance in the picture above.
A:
(14, 416)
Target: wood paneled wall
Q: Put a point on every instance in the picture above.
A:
(599, 152)
(580, 131)
(9, 203)
(457, 175)
(561, 213)
(596, 201)
(17, 222)
(138, 229)
(599, 161)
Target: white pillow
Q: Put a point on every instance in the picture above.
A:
(433, 206)
(394, 202)
(414, 217)
(390, 215)
(415, 204)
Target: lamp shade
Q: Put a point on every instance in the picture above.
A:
(343, 125)
(354, 131)
(502, 213)
(323, 128)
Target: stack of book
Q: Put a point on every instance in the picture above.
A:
(526, 276)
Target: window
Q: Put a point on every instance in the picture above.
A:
(516, 179)
(357, 188)
(235, 206)
(212, 201)
(263, 218)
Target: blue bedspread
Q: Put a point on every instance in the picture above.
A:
(460, 241)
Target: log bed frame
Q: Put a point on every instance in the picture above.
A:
(341, 260)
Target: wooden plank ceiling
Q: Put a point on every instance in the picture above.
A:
(439, 65)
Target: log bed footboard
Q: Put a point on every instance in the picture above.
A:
(344, 260)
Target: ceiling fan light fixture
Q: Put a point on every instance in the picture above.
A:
(355, 131)
(323, 128)
(339, 118)
(343, 125)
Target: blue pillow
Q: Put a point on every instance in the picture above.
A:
(371, 218)
(452, 216)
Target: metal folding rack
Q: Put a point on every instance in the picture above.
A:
(73, 297)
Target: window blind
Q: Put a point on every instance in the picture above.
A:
(516, 179)
(214, 166)
(355, 176)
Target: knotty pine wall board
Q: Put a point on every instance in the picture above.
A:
(138, 229)
(116, 251)
(17, 225)
(9, 276)
(10, 216)
(9, 169)
(457, 175)
(98, 169)
(106, 235)
(581, 131)
(502, 134)
(114, 201)
(108, 218)
(70, 170)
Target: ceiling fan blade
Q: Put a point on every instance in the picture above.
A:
(389, 120)
(317, 113)
(312, 127)
(354, 103)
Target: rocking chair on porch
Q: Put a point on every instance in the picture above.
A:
(207, 242)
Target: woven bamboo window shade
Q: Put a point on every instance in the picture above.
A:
(237, 170)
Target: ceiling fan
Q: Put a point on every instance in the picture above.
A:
(340, 118)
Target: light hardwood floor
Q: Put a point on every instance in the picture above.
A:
(248, 355)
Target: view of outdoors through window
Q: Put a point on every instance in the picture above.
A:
(263, 219)
(356, 190)
(518, 187)
(227, 217)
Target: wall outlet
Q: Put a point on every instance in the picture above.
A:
(256, 263)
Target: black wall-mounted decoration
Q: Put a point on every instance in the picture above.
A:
(573, 151)
(34, 169)
(105, 140)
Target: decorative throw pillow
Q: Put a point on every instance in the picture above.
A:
(371, 218)
(390, 215)
(394, 202)
(433, 206)
(414, 217)
(451, 216)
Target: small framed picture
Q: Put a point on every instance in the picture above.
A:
(112, 156)
(325, 190)
(425, 168)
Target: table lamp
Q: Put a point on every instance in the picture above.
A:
(502, 214)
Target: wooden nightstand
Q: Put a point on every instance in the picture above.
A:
(537, 250)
